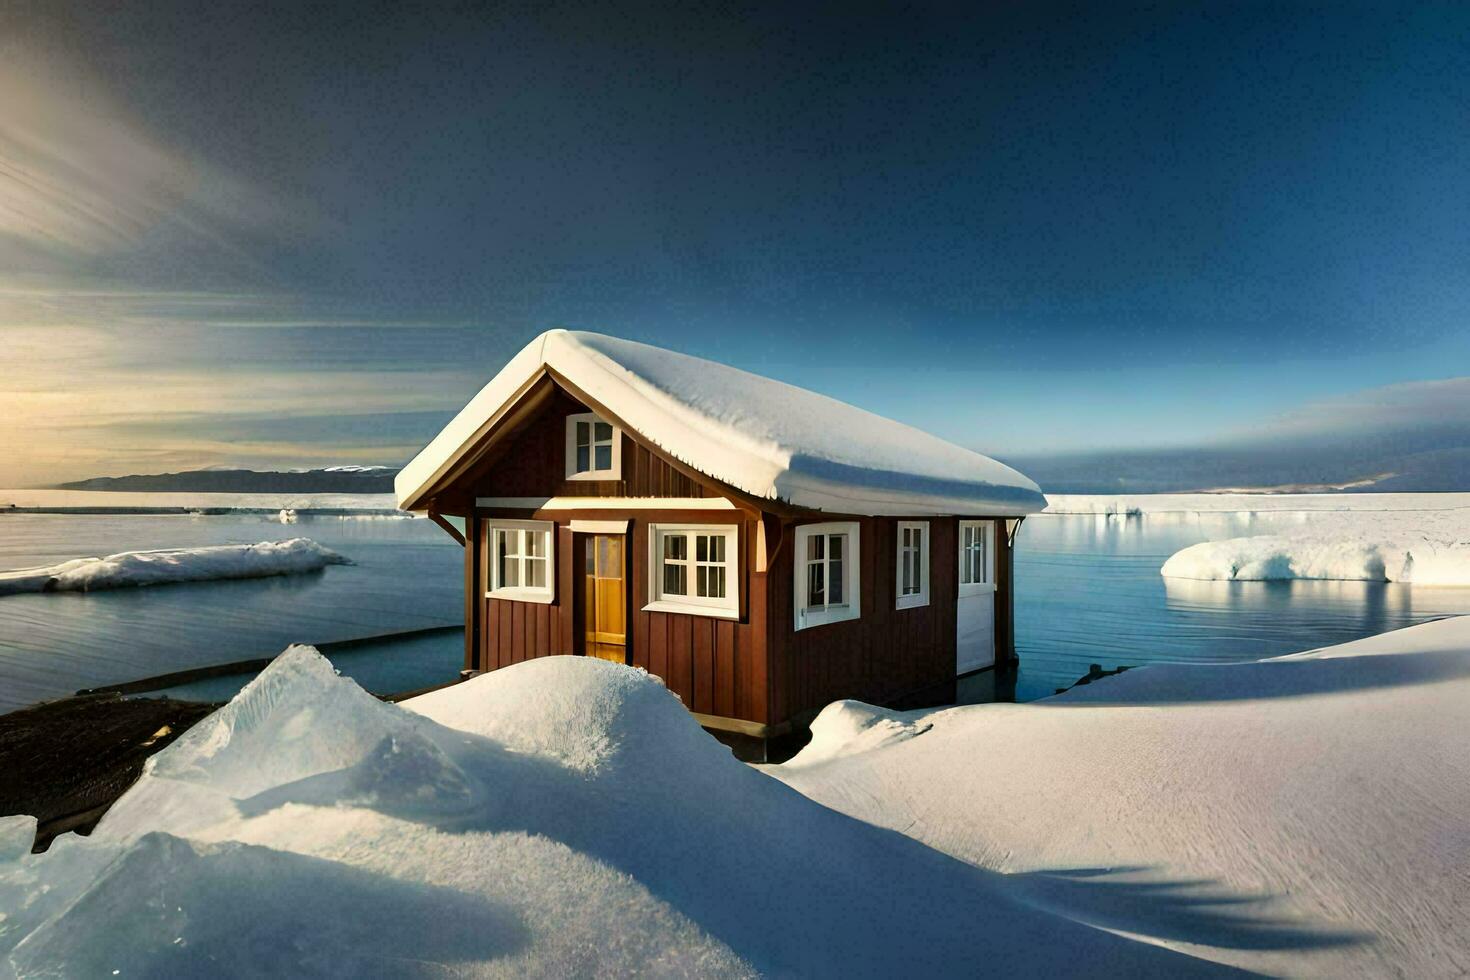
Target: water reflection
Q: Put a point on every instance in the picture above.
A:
(1089, 591)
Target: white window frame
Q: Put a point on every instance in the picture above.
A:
(807, 616)
(726, 607)
(919, 597)
(987, 531)
(614, 472)
(520, 593)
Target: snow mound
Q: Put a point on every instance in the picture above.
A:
(769, 439)
(1300, 816)
(1304, 815)
(585, 713)
(271, 735)
(849, 727)
(1324, 555)
(134, 568)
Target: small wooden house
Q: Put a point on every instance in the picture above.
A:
(763, 549)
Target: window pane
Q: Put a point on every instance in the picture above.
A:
(816, 547)
(583, 460)
(583, 433)
(604, 432)
(701, 581)
(536, 573)
(701, 547)
(675, 580)
(676, 546)
(510, 572)
(834, 582)
(837, 546)
(717, 582)
(535, 543)
(717, 548)
(604, 457)
(906, 563)
(816, 593)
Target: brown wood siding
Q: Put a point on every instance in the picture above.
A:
(713, 665)
(884, 656)
(533, 464)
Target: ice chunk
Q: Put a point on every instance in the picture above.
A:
(132, 568)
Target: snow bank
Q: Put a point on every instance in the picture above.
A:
(1304, 816)
(767, 438)
(132, 568)
(560, 817)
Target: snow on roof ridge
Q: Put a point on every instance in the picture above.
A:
(767, 438)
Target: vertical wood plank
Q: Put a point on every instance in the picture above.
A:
(681, 659)
(658, 647)
(568, 576)
(724, 679)
(703, 629)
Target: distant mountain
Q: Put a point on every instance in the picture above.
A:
(332, 479)
(1298, 469)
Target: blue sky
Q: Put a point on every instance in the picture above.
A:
(291, 237)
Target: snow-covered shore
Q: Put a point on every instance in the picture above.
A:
(137, 502)
(566, 816)
(135, 568)
(1308, 815)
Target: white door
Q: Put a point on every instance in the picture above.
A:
(975, 603)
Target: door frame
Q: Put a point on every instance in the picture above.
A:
(583, 532)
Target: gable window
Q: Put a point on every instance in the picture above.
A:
(912, 574)
(977, 556)
(693, 568)
(826, 579)
(594, 448)
(521, 560)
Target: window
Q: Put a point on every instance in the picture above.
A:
(826, 579)
(594, 448)
(693, 569)
(912, 576)
(977, 551)
(521, 562)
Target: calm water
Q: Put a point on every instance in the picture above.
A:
(1089, 591)
(408, 574)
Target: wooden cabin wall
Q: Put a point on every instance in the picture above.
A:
(715, 666)
(886, 654)
(533, 464)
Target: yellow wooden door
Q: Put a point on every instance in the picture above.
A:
(606, 599)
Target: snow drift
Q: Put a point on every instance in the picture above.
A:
(566, 816)
(1303, 816)
(770, 439)
(563, 816)
(133, 568)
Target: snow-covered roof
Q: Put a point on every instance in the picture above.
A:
(769, 439)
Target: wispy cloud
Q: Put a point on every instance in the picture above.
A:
(83, 401)
(80, 175)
